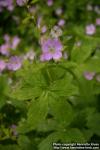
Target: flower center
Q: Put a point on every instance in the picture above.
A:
(52, 51)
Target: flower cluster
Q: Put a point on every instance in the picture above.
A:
(6, 50)
(21, 2)
(13, 130)
(91, 28)
(2, 65)
(10, 43)
(49, 2)
(12, 62)
(91, 75)
(8, 4)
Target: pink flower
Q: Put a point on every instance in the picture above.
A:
(21, 2)
(44, 29)
(7, 4)
(15, 42)
(3, 3)
(51, 49)
(49, 2)
(89, 75)
(10, 7)
(13, 129)
(2, 65)
(4, 49)
(98, 21)
(61, 22)
(14, 63)
(6, 38)
(90, 29)
(32, 9)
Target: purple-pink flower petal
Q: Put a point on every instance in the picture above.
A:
(90, 29)
(14, 63)
(89, 75)
(2, 65)
(46, 56)
(57, 55)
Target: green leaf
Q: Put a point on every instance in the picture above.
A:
(92, 65)
(9, 147)
(88, 133)
(69, 64)
(62, 112)
(93, 123)
(27, 19)
(49, 124)
(29, 70)
(36, 80)
(26, 93)
(23, 127)
(37, 113)
(64, 87)
(2, 101)
(38, 110)
(73, 135)
(34, 1)
(3, 90)
(55, 72)
(46, 144)
(68, 136)
(81, 53)
(96, 89)
(24, 142)
(30, 85)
